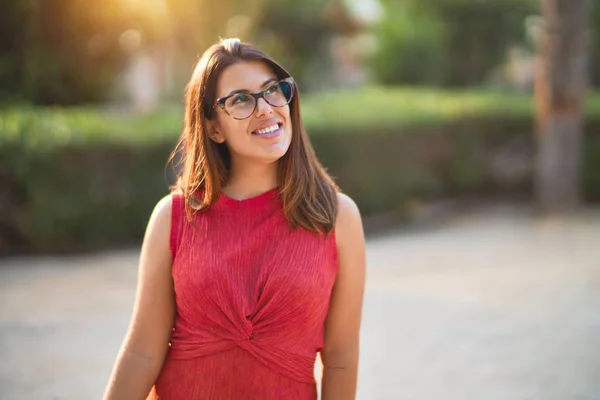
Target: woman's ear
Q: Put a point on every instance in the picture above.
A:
(214, 133)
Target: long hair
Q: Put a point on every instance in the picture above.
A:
(307, 192)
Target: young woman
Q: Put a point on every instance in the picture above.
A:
(255, 262)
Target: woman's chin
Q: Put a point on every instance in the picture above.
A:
(274, 153)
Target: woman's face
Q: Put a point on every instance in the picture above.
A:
(266, 134)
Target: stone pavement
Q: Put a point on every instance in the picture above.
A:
(494, 306)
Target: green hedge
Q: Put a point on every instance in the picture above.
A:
(389, 169)
(82, 179)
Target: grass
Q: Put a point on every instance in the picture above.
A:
(349, 109)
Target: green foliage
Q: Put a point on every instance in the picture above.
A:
(447, 42)
(53, 63)
(78, 197)
(595, 43)
(65, 51)
(411, 46)
(12, 19)
(295, 33)
(383, 107)
(45, 128)
(591, 167)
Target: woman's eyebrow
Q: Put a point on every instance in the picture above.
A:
(265, 83)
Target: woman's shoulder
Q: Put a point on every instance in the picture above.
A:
(348, 224)
(162, 212)
(168, 207)
(165, 220)
(347, 209)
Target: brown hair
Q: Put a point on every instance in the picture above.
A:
(308, 193)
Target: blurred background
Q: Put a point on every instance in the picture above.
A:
(467, 131)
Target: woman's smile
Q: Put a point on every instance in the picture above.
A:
(271, 131)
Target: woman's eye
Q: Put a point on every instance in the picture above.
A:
(240, 98)
(272, 89)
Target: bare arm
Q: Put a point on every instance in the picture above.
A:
(340, 352)
(146, 343)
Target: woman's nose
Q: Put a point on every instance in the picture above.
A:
(263, 108)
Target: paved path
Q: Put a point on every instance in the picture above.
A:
(492, 306)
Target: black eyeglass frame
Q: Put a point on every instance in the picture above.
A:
(260, 95)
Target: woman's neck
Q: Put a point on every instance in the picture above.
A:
(250, 180)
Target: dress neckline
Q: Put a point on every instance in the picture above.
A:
(261, 198)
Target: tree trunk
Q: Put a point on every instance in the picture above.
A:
(560, 90)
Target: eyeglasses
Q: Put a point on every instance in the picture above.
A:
(243, 105)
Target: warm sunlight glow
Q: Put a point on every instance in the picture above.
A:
(130, 40)
(150, 6)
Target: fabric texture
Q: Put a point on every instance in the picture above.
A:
(252, 296)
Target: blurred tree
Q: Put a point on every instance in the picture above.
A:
(70, 51)
(196, 25)
(296, 33)
(560, 87)
(199, 24)
(65, 51)
(595, 70)
(448, 42)
(64, 69)
(12, 48)
(411, 46)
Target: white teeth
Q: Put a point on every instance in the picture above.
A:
(270, 129)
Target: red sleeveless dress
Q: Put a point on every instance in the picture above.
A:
(252, 296)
